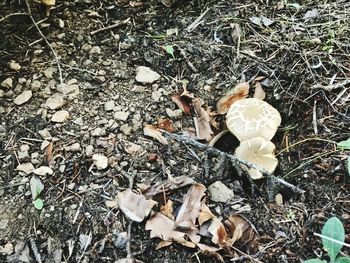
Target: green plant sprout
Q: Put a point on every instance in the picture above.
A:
(345, 145)
(170, 50)
(333, 236)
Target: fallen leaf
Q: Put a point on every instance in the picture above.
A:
(211, 251)
(163, 243)
(189, 210)
(151, 131)
(36, 186)
(163, 227)
(134, 206)
(167, 209)
(132, 148)
(217, 229)
(172, 183)
(48, 152)
(182, 103)
(204, 213)
(259, 92)
(165, 124)
(240, 229)
(185, 92)
(239, 92)
(202, 121)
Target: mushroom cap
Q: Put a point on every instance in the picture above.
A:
(250, 118)
(259, 152)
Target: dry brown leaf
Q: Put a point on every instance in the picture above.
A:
(204, 213)
(240, 229)
(163, 227)
(163, 243)
(239, 92)
(182, 103)
(165, 124)
(202, 121)
(172, 183)
(189, 210)
(218, 231)
(211, 251)
(167, 209)
(259, 92)
(132, 148)
(151, 131)
(134, 206)
(48, 152)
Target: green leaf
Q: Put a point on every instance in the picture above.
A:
(315, 260)
(170, 50)
(334, 229)
(342, 260)
(344, 145)
(38, 204)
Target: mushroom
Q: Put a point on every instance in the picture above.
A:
(250, 118)
(48, 5)
(259, 152)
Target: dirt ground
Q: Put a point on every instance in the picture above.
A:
(298, 51)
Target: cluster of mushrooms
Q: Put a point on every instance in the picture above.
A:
(254, 122)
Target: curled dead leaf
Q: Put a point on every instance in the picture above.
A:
(239, 92)
(218, 231)
(134, 206)
(240, 230)
(165, 124)
(202, 121)
(204, 213)
(183, 103)
(171, 184)
(153, 132)
(189, 210)
(167, 209)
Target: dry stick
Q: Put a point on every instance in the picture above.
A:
(333, 86)
(46, 41)
(13, 14)
(117, 24)
(235, 160)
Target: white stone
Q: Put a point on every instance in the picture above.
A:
(43, 171)
(174, 114)
(89, 150)
(121, 115)
(95, 50)
(55, 101)
(72, 148)
(36, 85)
(146, 75)
(45, 134)
(219, 192)
(60, 116)
(25, 167)
(48, 73)
(7, 83)
(100, 161)
(23, 97)
(14, 65)
(109, 105)
(156, 95)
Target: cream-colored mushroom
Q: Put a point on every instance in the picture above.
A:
(259, 152)
(250, 118)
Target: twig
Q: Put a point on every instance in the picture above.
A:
(196, 22)
(128, 249)
(46, 41)
(117, 24)
(13, 14)
(235, 160)
(333, 86)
